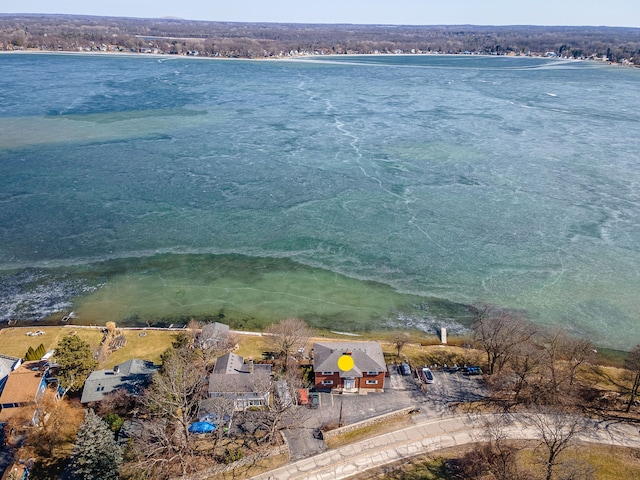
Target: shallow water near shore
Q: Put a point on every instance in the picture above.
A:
(245, 292)
(347, 190)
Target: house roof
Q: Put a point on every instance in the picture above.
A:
(367, 357)
(215, 329)
(7, 365)
(133, 375)
(23, 384)
(230, 363)
(231, 375)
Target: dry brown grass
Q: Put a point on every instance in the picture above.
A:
(261, 466)
(142, 344)
(609, 463)
(251, 346)
(15, 342)
(384, 426)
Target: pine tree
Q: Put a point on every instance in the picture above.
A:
(75, 360)
(30, 355)
(95, 453)
(40, 351)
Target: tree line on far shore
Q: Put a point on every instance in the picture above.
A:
(260, 40)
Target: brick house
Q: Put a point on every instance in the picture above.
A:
(367, 374)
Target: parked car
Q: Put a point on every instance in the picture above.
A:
(405, 369)
(472, 371)
(427, 375)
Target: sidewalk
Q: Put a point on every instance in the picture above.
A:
(426, 436)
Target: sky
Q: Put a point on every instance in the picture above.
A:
(617, 13)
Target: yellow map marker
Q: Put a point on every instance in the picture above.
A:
(345, 363)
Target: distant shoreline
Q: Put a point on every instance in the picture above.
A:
(299, 56)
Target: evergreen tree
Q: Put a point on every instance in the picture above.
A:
(40, 351)
(36, 354)
(30, 355)
(75, 358)
(95, 453)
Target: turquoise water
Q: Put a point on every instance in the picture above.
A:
(433, 179)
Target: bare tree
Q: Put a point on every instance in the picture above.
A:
(120, 402)
(565, 356)
(399, 340)
(556, 432)
(220, 411)
(498, 333)
(525, 365)
(552, 345)
(286, 337)
(495, 458)
(212, 345)
(577, 352)
(632, 364)
(172, 402)
(281, 413)
(57, 425)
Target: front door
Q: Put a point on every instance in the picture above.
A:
(349, 383)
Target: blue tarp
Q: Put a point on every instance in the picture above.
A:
(201, 427)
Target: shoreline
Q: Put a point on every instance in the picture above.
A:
(149, 290)
(304, 55)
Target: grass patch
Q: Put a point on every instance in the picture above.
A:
(146, 347)
(15, 342)
(247, 471)
(379, 428)
(611, 357)
(608, 462)
(251, 346)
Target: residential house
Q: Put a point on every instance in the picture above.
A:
(23, 390)
(248, 384)
(366, 375)
(213, 334)
(133, 375)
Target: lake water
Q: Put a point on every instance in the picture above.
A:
(354, 192)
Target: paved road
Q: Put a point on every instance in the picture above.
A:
(428, 435)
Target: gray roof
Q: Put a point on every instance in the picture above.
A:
(367, 357)
(230, 363)
(215, 329)
(231, 375)
(212, 334)
(7, 365)
(133, 375)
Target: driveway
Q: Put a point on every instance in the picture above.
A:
(400, 392)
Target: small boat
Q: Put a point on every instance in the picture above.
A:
(66, 318)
